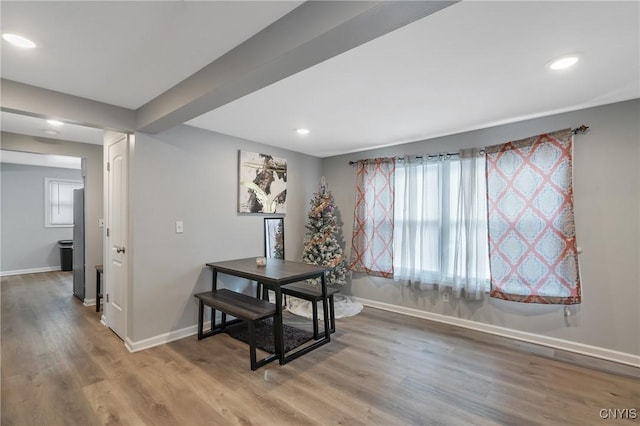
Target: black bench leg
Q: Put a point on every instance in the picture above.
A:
(314, 307)
(332, 315)
(332, 320)
(252, 344)
(200, 319)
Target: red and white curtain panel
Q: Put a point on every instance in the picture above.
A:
(532, 244)
(372, 241)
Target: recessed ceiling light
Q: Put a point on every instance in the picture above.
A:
(19, 41)
(50, 132)
(563, 62)
(55, 122)
(302, 131)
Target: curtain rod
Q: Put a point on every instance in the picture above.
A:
(444, 154)
(577, 131)
(580, 130)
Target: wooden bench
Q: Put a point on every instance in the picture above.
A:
(313, 294)
(244, 308)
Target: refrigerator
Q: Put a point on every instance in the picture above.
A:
(78, 244)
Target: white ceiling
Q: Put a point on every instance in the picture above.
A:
(43, 160)
(39, 127)
(125, 53)
(468, 66)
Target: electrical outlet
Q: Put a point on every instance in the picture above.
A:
(445, 297)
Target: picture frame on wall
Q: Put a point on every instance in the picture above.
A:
(274, 237)
(262, 183)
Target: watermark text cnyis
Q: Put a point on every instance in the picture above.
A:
(618, 413)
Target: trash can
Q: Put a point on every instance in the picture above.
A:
(66, 254)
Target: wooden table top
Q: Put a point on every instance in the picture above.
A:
(276, 271)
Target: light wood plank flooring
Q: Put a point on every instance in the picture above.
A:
(60, 366)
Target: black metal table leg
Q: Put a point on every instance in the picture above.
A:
(278, 327)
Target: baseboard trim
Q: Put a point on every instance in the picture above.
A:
(89, 302)
(161, 339)
(30, 271)
(565, 345)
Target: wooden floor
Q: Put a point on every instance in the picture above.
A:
(60, 366)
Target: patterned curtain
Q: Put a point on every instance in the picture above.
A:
(532, 244)
(372, 241)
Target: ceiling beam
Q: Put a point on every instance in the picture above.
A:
(35, 101)
(310, 34)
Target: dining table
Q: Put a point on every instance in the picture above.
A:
(272, 275)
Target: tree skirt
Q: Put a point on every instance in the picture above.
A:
(345, 306)
(293, 337)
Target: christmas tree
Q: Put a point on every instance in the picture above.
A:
(321, 246)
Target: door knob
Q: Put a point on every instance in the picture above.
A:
(119, 249)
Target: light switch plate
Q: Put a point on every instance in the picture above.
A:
(101, 223)
(179, 227)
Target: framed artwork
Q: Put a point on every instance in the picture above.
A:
(262, 183)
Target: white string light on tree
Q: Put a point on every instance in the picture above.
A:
(321, 246)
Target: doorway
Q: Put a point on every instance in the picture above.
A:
(38, 212)
(65, 143)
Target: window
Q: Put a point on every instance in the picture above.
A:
(58, 201)
(440, 232)
(424, 220)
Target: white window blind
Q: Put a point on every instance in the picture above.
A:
(59, 201)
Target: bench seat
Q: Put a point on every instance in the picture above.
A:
(313, 293)
(240, 306)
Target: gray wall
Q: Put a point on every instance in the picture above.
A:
(93, 190)
(191, 175)
(607, 194)
(26, 242)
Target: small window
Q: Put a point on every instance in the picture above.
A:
(58, 201)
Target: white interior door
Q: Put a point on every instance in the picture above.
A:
(117, 253)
